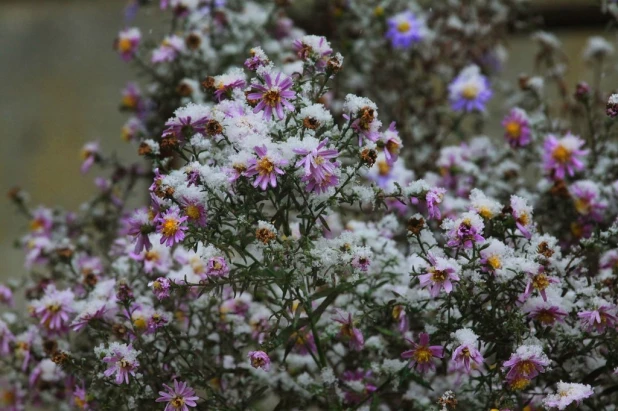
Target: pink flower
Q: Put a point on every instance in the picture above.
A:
(598, 319)
(122, 361)
(171, 226)
(217, 267)
(434, 197)
(169, 49)
(348, 332)
(538, 281)
(6, 337)
(421, 354)
(259, 359)
(392, 144)
(6, 295)
(274, 96)
(526, 363)
(266, 168)
(547, 314)
(319, 170)
(140, 225)
(127, 43)
(522, 213)
(179, 398)
(563, 155)
(161, 288)
(517, 128)
(90, 154)
(466, 231)
(466, 351)
(54, 308)
(440, 275)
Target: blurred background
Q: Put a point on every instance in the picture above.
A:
(60, 83)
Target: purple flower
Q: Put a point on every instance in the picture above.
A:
(440, 275)
(563, 155)
(464, 354)
(598, 319)
(195, 210)
(6, 295)
(127, 43)
(586, 198)
(161, 288)
(392, 144)
(140, 225)
(42, 221)
(225, 83)
(122, 361)
(313, 48)
(348, 332)
(466, 231)
(517, 128)
(169, 49)
(522, 213)
(547, 314)
(434, 197)
(567, 394)
(54, 308)
(399, 314)
(179, 398)
(469, 91)
(6, 337)
(538, 281)
(317, 164)
(275, 95)
(171, 226)
(81, 399)
(187, 121)
(258, 59)
(266, 168)
(90, 154)
(404, 29)
(217, 267)
(525, 364)
(259, 359)
(421, 355)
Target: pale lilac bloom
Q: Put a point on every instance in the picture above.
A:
(317, 162)
(466, 352)
(258, 59)
(122, 362)
(6, 295)
(586, 198)
(598, 319)
(274, 96)
(90, 153)
(195, 210)
(440, 275)
(469, 91)
(547, 314)
(404, 30)
(392, 143)
(178, 398)
(161, 288)
(42, 221)
(434, 197)
(169, 49)
(140, 225)
(349, 332)
(266, 168)
(6, 337)
(225, 83)
(526, 363)
(94, 310)
(522, 213)
(54, 308)
(517, 128)
(567, 394)
(127, 43)
(466, 231)
(538, 281)
(45, 371)
(422, 354)
(171, 225)
(313, 48)
(188, 120)
(259, 359)
(81, 399)
(563, 156)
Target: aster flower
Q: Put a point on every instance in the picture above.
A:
(127, 43)
(567, 394)
(421, 355)
(81, 399)
(525, 364)
(598, 319)
(517, 128)
(492, 256)
(54, 308)
(161, 288)
(171, 226)
(522, 213)
(225, 83)
(361, 259)
(266, 168)
(187, 121)
(611, 108)
(586, 199)
(90, 154)
(465, 231)
(6, 337)
(169, 49)
(349, 332)
(132, 98)
(6, 295)
(93, 310)
(258, 59)
(42, 221)
(140, 225)
(539, 281)
(440, 275)
(546, 313)
(399, 315)
(313, 48)
(195, 210)
(563, 155)
(122, 361)
(274, 96)
(391, 143)
(179, 398)
(259, 359)
(404, 30)
(466, 351)
(434, 197)
(317, 164)
(217, 267)
(469, 91)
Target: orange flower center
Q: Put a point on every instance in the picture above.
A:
(403, 27)
(383, 168)
(265, 166)
(170, 227)
(272, 97)
(470, 91)
(422, 355)
(540, 282)
(125, 45)
(561, 154)
(513, 129)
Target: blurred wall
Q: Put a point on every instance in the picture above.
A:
(59, 87)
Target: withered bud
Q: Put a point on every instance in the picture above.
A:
(264, 235)
(209, 82)
(213, 127)
(64, 253)
(60, 358)
(50, 347)
(144, 149)
(184, 90)
(193, 41)
(311, 123)
(119, 330)
(416, 225)
(369, 156)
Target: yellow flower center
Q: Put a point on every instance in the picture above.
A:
(545, 317)
(540, 282)
(422, 355)
(519, 384)
(170, 227)
(582, 206)
(525, 367)
(36, 224)
(129, 101)
(403, 27)
(513, 130)
(140, 322)
(437, 276)
(392, 146)
(485, 212)
(470, 91)
(272, 97)
(257, 362)
(54, 308)
(397, 311)
(81, 404)
(495, 262)
(193, 212)
(383, 168)
(523, 219)
(561, 154)
(265, 166)
(151, 256)
(125, 45)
